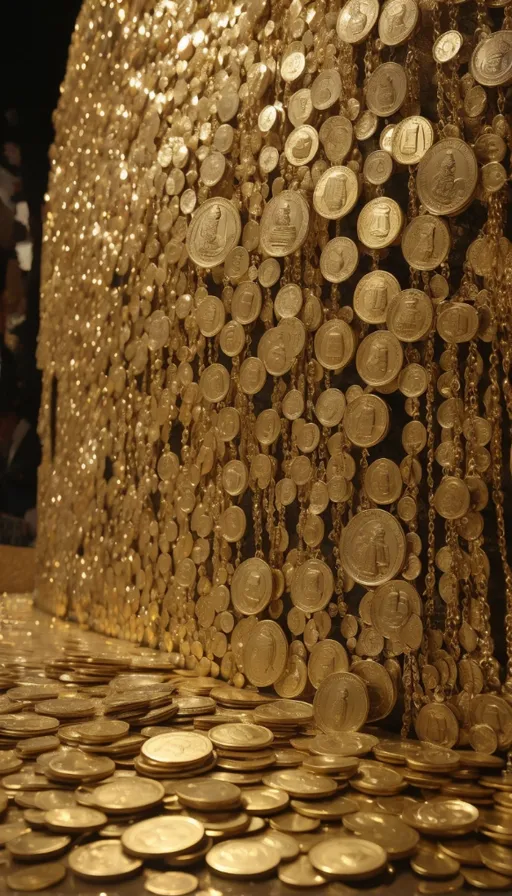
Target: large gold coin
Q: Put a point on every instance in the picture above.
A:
(447, 177)
(161, 836)
(265, 653)
(437, 724)
(284, 224)
(372, 547)
(251, 586)
(213, 232)
(341, 859)
(234, 858)
(491, 62)
(102, 860)
(356, 19)
(397, 21)
(341, 703)
(37, 845)
(128, 795)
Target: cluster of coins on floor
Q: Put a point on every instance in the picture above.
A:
(277, 266)
(236, 784)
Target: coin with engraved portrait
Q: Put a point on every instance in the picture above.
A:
(102, 860)
(210, 316)
(372, 547)
(447, 46)
(386, 88)
(336, 135)
(288, 301)
(373, 294)
(232, 338)
(341, 703)
(356, 19)
(326, 657)
(366, 420)
(426, 242)
(491, 61)
(339, 259)
(379, 223)
(397, 21)
(265, 653)
(411, 139)
(301, 145)
(251, 586)
(312, 586)
(437, 724)
(336, 192)
(447, 176)
(379, 358)
(284, 224)
(213, 232)
(452, 498)
(383, 481)
(410, 314)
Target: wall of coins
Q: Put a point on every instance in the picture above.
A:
(276, 350)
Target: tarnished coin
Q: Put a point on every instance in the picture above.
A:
(372, 547)
(397, 21)
(341, 703)
(162, 836)
(340, 858)
(102, 860)
(386, 89)
(312, 586)
(251, 586)
(447, 176)
(265, 653)
(214, 231)
(233, 858)
(432, 863)
(284, 224)
(339, 259)
(425, 243)
(39, 877)
(171, 883)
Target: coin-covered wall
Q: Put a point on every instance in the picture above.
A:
(276, 351)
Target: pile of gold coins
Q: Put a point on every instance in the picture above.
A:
(224, 795)
(276, 348)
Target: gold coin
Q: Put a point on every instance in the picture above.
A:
(447, 177)
(330, 407)
(74, 819)
(292, 823)
(491, 63)
(287, 846)
(208, 794)
(413, 380)
(171, 883)
(241, 736)
(180, 748)
(379, 358)
(411, 139)
(356, 19)
(265, 653)
(251, 586)
(36, 844)
(366, 420)
(234, 859)
(301, 145)
(386, 89)
(336, 192)
(341, 859)
(466, 851)
(442, 816)
(288, 301)
(383, 481)
(372, 547)
(457, 322)
(452, 498)
(300, 107)
(102, 860)
(301, 783)
(493, 710)
(437, 724)
(398, 839)
(162, 836)
(326, 89)
(433, 863)
(328, 810)
(336, 135)
(214, 382)
(125, 796)
(341, 703)
(433, 887)
(497, 858)
(379, 223)
(378, 167)
(334, 344)
(425, 243)
(264, 800)
(300, 873)
(447, 46)
(312, 586)
(293, 61)
(284, 224)
(39, 877)
(397, 21)
(381, 692)
(339, 259)
(373, 295)
(485, 879)
(326, 657)
(214, 231)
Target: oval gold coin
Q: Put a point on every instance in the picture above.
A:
(265, 653)
(39, 877)
(241, 736)
(372, 547)
(128, 795)
(171, 883)
(447, 177)
(341, 703)
(214, 231)
(177, 748)
(373, 295)
(379, 223)
(284, 224)
(366, 420)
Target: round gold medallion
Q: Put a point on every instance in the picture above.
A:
(284, 224)
(372, 547)
(447, 177)
(214, 231)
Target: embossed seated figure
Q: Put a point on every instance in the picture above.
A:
(212, 234)
(426, 240)
(358, 18)
(313, 584)
(283, 232)
(373, 551)
(267, 651)
(385, 92)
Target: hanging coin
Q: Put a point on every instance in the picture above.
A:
(383, 481)
(341, 703)
(379, 223)
(336, 135)
(491, 62)
(379, 358)
(336, 192)
(411, 139)
(214, 231)
(426, 242)
(398, 20)
(373, 294)
(356, 19)
(339, 259)
(447, 177)
(386, 89)
(334, 344)
(265, 653)
(302, 145)
(366, 420)
(312, 586)
(372, 547)
(410, 314)
(251, 586)
(284, 224)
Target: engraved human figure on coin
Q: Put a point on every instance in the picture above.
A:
(341, 703)
(447, 176)
(312, 586)
(213, 232)
(336, 135)
(386, 89)
(373, 294)
(397, 21)
(338, 260)
(336, 192)
(327, 656)
(372, 547)
(410, 314)
(284, 224)
(426, 242)
(366, 420)
(251, 586)
(265, 653)
(356, 20)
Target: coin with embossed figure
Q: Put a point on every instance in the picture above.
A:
(341, 703)
(372, 547)
(213, 232)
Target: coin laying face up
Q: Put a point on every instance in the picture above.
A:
(161, 836)
(234, 859)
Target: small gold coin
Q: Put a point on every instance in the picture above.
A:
(286, 845)
(234, 859)
(162, 835)
(40, 877)
(336, 135)
(373, 294)
(292, 823)
(102, 860)
(383, 481)
(326, 657)
(497, 858)
(447, 46)
(171, 883)
(435, 864)
(411, 139)
(264, 800)
(301, 783)
(336, 192)
(241, 736)
(301, 145)
(339, 259)
(386, 89)
(379, 223)
(485, 879)
(340, 858)
(36, 845)
(180, 748)
(300, 873)
(434, 887)
(251, 586)
(75, 819)
(437, 724)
